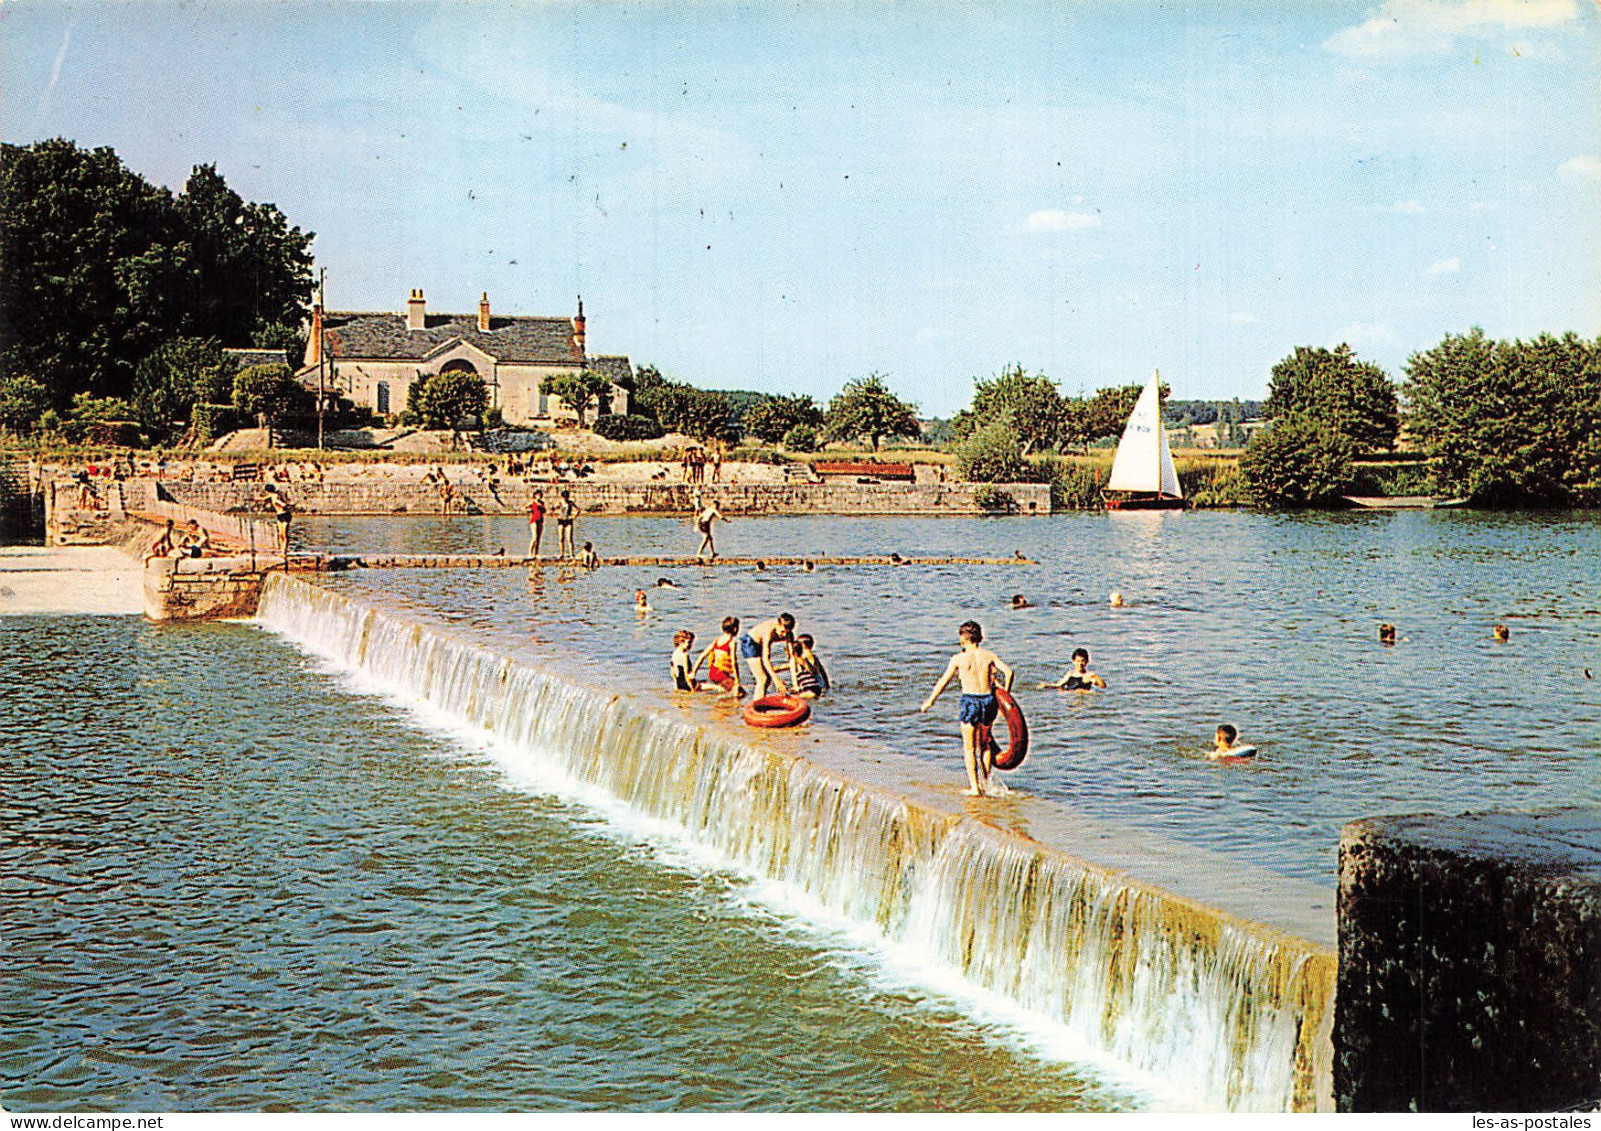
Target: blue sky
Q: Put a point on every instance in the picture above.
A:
(786, 196)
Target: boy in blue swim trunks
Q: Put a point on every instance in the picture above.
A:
(755, 647)
(976, 666)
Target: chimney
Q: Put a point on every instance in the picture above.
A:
(314, 340)
(578, 331)
(416, 311)
(483, 314)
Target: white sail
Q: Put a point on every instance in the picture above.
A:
(1144, 461)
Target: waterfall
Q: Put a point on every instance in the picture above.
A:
(1229, 1013)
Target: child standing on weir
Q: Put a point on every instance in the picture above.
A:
(977, 667)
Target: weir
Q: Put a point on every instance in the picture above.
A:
(1229, 1012)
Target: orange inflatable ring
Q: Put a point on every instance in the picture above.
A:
(776, 711)
(1016, 732)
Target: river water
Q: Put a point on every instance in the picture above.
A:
(241, 880)
(1265, 622)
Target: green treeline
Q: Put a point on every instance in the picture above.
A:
(105, 279)
(1511, 424)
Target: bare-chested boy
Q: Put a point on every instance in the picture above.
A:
(977, 667)
(755, 647)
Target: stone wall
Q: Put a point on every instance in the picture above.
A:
(201, 588)
(1470, 963)
(931, 499)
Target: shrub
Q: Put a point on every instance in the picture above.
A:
(994, 500)
(1298, 463)
(1215, 483)
(801, 438)
(629, 427)
(1078, 485)
(992, 454)
(208, 421)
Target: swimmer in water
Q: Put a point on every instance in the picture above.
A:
(1386, 634)
(641, 603)
(1502, 634)
(588, 558)
(663, 583)
(1223, 745)
(1115, 600)
(1079, 677)
(1020, 602)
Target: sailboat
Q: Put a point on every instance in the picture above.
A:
(1143, 476)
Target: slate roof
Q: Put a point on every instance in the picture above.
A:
(248, 357)
(617, 370)
(515, 339)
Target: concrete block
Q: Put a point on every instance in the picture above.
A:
(1470, 962)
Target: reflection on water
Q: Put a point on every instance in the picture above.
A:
(229, 883)
(1267, 622)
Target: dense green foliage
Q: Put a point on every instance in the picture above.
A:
(177, 376)
(267, 392)
(580, 392)
(801, 438)
(1342, 393)
(1298, 462)
(866, 407)
(617, 426)
(99, 269)
(446, 400)
(993, 454)
(772, 418)
(678, 407)
(1030, 406)
(23, 398)
(1510, 423)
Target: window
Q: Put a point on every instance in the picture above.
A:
(383, 396)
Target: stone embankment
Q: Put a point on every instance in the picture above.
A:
(380, 497)
(1470, 963)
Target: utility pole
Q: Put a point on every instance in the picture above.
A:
(322, 349)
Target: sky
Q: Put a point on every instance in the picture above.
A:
(786, 196)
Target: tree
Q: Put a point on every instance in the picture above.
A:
(1510, 423)
(1108, 410)
(701, 413)
(579, 391)
(773, 418)
(250, 268)
(866, 407)
(23, 399)
(1298, 462)
(801, 438)
(993, 454)
(98, 268)
(177, 376)
(1346, 395)
(267, 392)
(444, 400)
(1030, 406)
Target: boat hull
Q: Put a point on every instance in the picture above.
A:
(1145, 503)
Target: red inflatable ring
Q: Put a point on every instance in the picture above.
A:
(776, 711)
(1016, 733)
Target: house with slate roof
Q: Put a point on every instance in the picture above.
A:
(374, 357)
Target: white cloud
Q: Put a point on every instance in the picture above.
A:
(1412, 27)
(1443, 267)
(1585, 167)
(1405, 208)
(1057, 220)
